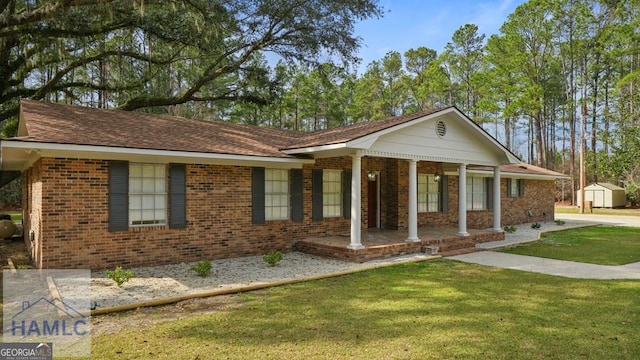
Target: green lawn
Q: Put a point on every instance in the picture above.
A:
(430, 310)
(16, 216)
(606, 245)
(601, 211)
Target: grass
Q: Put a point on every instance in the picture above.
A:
(605, 245)
(600, 211)
(16, 217)
(437, 309)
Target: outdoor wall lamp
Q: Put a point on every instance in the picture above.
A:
(371, 175)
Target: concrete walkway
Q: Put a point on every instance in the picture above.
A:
(569, 269)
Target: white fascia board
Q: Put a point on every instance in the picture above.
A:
(314, 149)
(143, 155)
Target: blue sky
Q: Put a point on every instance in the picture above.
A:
(409, 24)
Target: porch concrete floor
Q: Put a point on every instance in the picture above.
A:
(389, 243)
(384, 237)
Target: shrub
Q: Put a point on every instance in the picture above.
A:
(559, 222)
(510, 229)
(273, 258)
(535, 225)
(119, 276)
(203, 268)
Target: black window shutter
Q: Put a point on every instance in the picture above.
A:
(118, 195)
(521, 187)
(178, 196)
(509, 185)
(489, 187)
(297, 180)
(346, 194)
(316, 205)
(444, 193)
(257, 195)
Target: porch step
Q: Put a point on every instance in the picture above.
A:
(451, 244)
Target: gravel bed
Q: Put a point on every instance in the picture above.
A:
(174, 280)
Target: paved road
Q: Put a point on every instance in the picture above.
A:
(556, 267)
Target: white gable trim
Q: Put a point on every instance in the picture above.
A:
(433, 158)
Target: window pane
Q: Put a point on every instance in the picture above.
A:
(160, 185)
(135, 170)
(332, 193)
(147, 194)
(148, 171)
(135, 186)
(276, 194)
(476, 193)
(135, 215)
(160, 214)
(428, 193)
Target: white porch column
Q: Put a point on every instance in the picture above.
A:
(356, 199)
(462, 201)
(496, 199)
(413, 201)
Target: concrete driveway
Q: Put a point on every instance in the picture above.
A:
(569, 269)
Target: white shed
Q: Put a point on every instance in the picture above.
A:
(604, 195)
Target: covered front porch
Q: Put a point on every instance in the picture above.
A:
(382, 243)
(408, 174)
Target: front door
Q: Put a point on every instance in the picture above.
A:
(372, 206)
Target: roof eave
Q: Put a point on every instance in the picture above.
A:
(314, 149)
(29, 151)
(519, 175)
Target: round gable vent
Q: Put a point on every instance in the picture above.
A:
(441, 128)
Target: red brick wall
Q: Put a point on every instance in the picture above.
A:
(32, 211)
(66, 211)
(537, 204)
(69, 211)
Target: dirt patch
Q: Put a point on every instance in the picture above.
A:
(15, 249)
(148, 316)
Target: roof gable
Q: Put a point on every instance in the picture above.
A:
(447, 137)
(411, 136)
(607, 186)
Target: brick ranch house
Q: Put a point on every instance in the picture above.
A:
(105, 188)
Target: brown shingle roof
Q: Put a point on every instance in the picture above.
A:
(67, 124)
(351, 132)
